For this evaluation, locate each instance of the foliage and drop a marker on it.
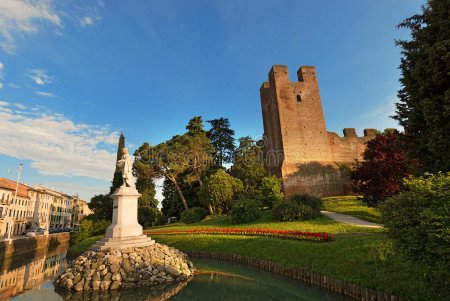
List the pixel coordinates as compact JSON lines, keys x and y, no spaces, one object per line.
{"x":248,"y":165}
{"x":271,"y":193}
{"x":117,"y":179}
{"x":102,"y":207}
{"x":297,"y":207}
{"x":171,"y":204}
{"x":385,"y":164}
{"x":90,"y":228}
{"x":193,"y":215}
{"x":244,"y":211}
{"x":418,"y":219}
{"x":147,"y":216}
{"x":222,"y":139}
{"x":220,"y":190}
{"x":424,"y":106}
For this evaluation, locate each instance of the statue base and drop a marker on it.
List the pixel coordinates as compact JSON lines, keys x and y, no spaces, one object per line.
{"x":125,"y":231}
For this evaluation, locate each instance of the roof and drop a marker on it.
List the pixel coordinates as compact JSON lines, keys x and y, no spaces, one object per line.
{"x":22,"y":190}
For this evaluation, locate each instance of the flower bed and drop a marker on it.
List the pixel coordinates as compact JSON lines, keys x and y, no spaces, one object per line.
{"x":287,"y":234}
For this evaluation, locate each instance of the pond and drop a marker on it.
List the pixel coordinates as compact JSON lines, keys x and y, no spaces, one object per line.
{"x":29,"y":277}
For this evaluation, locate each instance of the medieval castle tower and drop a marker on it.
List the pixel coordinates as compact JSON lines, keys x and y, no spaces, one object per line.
{"x":298,"y":147}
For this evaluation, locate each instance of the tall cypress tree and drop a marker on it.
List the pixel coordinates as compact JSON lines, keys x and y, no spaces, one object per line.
{"x":117,"y":179}
{"x":424,"y":106}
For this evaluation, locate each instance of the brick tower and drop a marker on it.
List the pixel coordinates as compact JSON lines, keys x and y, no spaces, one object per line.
{"x":298,"y":148}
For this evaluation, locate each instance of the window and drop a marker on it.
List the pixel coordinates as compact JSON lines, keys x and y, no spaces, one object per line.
{"x":299,"y":98}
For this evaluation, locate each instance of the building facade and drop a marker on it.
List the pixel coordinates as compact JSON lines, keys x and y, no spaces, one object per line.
{"x":37,"y":207}
{"x":297,"y":146}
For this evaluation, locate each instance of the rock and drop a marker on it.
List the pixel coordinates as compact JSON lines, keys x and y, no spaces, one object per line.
{"x":96,"y":285}
{"x":114,"y":285}
{"x":114,"y":260}
{"x":77,"y":278}
{"x":96,"y":276}
{"x":79,"y":286}
{"x":104,"y":285}
{"x":128,"y":285}
{"x":87,"y":285}
{"x":104,"y":272}
{"x":107,"y":276}
{"x":114,"y":268}
{"x":69,"y":283}
{"x":172,"y":271}
{"x":101,"y":268}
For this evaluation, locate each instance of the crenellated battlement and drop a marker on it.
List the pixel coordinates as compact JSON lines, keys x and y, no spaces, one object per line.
{"x":294,"y":125}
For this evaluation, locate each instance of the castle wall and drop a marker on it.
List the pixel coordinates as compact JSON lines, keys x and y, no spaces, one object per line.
{"x":310,"y":159}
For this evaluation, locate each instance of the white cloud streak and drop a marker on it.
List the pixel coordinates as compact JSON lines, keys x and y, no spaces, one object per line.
{"x":18,"y":17}
{"x":39,"y":76}
{"x":44,"y":94}
{"x":54,"y":144}
{"x":2,"y":67}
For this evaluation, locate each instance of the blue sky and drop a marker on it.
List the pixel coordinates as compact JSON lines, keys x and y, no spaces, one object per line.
{"x":74,"y":74}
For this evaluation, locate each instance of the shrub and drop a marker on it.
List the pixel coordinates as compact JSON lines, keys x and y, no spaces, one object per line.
{"x":193,"y":215}
{"x":385,"y":165}
{"x":90,"y":228}
{"x":418,"y":219}
{"x":244,"y":211}
{"x":298,"y":207}
{"x":146,"y":216}
{"x":270,"y":191}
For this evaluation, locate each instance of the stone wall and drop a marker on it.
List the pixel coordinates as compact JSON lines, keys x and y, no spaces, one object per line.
{"x":27,"y":244}
{"x":298,"y":148}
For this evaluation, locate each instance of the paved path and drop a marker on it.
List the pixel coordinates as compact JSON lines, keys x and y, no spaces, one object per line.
{"x":344,"y":218}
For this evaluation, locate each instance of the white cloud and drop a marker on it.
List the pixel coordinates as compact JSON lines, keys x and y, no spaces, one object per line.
{"x":54,"y":144}
{"x":2,"y":67}
{"x":13,"y":86}
{"x":18,"y":17}
{"x":39,"y":76}
{"x":44,"y":94}
{"x":380,"y":116}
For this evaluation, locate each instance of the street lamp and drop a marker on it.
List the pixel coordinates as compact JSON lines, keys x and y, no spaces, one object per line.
{"x":11,"y":220}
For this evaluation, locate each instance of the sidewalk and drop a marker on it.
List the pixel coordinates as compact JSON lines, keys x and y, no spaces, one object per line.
{"x":344,"y":218}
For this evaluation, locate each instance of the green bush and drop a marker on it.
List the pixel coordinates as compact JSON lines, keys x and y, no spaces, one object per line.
{"x":270,"y":191}
{"x":193,"y":215}
{"x":298,"y":207}
{"x":90,"y":228}
{"x":418,"y":219}
{"x":244,"y":211}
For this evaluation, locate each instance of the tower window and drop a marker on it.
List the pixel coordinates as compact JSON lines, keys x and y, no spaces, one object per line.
{"x":299,"y":98}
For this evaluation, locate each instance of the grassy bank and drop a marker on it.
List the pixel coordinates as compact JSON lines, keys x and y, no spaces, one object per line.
{"x":353,"y":206}
{"x":360,"y":255}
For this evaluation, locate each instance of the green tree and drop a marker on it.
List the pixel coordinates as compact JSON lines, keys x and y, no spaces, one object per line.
{"x":424,"y":98}
{"x":102,"y":206}
{"x":117,"y":179}
{"x":222,"y":138}
{"x":166,"y":160}
{"x":271,"y":193}
{"x":220,"y":190}
{"x":248,"y":165}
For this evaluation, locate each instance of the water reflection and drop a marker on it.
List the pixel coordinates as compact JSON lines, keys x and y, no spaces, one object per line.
{"x":29,"y":269}
{"x":29,"y":277}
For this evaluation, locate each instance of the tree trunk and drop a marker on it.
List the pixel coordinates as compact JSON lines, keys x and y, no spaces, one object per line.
{"x":210,"y":209}
{"x":180,"y":193}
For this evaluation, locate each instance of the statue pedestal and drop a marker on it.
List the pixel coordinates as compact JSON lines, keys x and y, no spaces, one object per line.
{"x":125,"y":231}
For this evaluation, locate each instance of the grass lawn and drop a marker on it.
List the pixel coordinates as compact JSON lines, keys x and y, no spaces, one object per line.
{"x":321,"y":224}
{"x":81,"y":247}
{"x":353,"y":206}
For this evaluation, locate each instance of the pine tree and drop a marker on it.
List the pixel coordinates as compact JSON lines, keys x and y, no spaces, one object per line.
{"x":222,"y":138}
{"x":424,"y":106}
{"x":117,"y":179}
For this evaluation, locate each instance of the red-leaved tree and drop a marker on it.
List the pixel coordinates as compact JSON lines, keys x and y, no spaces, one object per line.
{"x":385,"y":165}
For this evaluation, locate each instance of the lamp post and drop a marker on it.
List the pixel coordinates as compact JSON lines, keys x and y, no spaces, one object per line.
{"x":11,"y":218}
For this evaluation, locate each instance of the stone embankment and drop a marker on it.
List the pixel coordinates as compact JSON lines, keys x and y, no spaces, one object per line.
{"x":108,"y":269}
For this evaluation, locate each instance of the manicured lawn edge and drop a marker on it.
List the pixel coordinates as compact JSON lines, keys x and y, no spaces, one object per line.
{"x":338,"y":286}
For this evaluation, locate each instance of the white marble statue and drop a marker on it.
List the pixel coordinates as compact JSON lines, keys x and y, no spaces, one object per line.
{"x":126,"y":167}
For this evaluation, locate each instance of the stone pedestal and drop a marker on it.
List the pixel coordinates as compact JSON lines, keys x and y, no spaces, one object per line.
{"x":125,"y":231}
